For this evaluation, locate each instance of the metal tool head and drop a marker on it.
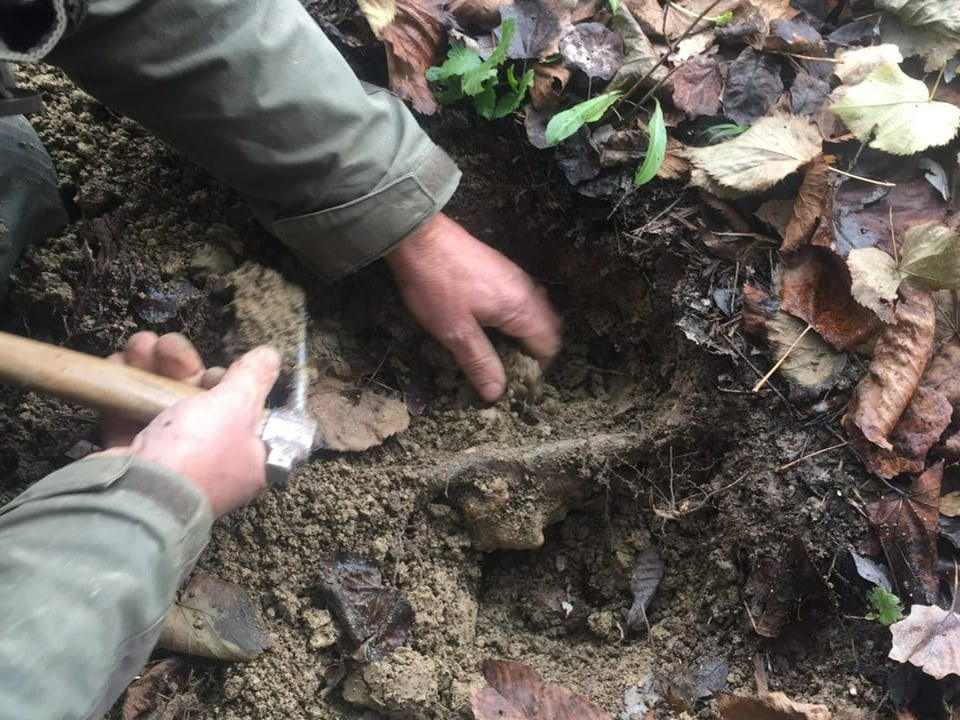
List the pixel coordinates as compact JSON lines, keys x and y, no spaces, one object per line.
{"x":289,"y":437}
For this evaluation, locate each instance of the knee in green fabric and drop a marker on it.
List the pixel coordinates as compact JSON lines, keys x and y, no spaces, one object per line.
{"x":30,"y":207}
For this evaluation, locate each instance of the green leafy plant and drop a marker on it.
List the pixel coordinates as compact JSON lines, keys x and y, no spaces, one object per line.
{"x":656,"y":147}
{"x":566,"y":123}
{"x":464,"y":74}
{"x":885,"y":606}
{"x":614,"y":5}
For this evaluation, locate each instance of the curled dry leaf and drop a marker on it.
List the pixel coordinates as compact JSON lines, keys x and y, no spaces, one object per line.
{"x":413,"y":41}
{"x":929,"y":637}
{"x":759,"y":158}
{"x":943,"y":372}
{"x":771,"y":706}
{"x":917,"y":431}
{"x":812,"y":207}
{"x":874,"y":280}
{"x":901,"y":355}
{"x":907,"y":524}
{"x":482,"y":14}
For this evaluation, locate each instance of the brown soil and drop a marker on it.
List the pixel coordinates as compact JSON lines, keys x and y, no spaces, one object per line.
{"x":511,"y":529}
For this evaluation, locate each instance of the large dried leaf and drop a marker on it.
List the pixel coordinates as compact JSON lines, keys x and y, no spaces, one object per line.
{"x":907,"y":523}
{"x":593,"y":49}
{"x":815,"y":286}
{"x":894,"y":113}
{"x":758,"y":159}
{"x":916,"y":432}
{"x":647,"y":574}
{"x":874,"y":277}
{"x":753,"y":86}
{"x":929,"y":637}
{"x":772,"y":706}
{"x":935,"y":48}
{"x":901,"y":355}
{"x":482,"y":14}
{"x":938,"y":15}
{"x":811,"y":366}
{"x":412,"y":41}
{"x":857,"y":63}
{"x":943,"y":372}
{"x":931,"y":253}
{"x":516,"y":692}
{"x":215,"y":619}
{"x":812,"y":206}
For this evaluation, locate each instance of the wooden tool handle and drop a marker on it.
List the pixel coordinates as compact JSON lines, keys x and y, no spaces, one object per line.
{"x":87,"y":380}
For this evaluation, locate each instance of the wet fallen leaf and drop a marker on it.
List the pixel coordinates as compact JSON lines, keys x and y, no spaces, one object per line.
{"x":901,"y":355}
{"x":874,"y":279}
{"x":647,"y":573}
{"x":215,"y":619}
{"x":870,"y":571}
{"x":697,"y":84}
{"x":776,"y":214}
{"x":808,"y":97}
{"x":815,"y":286}
{"x":916,"y":432}
{"x":856,"y":64}
{"x":759,"y":158}
{"x":643,"y":59}
{"x":481,"y":14}
{"x":907,"y":523}
{"x":929,"y":637}
{"x":516,"y":692}
{"x":893,"y":112}
{"x":541,"y":24}
{"x":938,"y":15}
{"x":931,"y":253}
{"x":412,"y":41}
{"x":759,"y":306}
{"x":812,"y":206}
{"x":687,"y":685}
{"x":772,"y":706}
{"x":593,"y":49}
{"x":353,"y":418}
{"x":164,"y":302}
{"x":935,"y":48}
{"x":795,"y":36}
{"x":811,"y":365}
{"x":374,"y":618}
{"x":753,"y":86}
{"x":943,"y":372}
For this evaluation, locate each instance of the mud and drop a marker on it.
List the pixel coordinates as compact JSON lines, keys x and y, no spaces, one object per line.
{"x":511,"y":529}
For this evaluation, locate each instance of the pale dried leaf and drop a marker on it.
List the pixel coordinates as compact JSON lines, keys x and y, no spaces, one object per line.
{"x":379,"y":13}
{"x":929,"y":637}
{"x":875,"y":278}
{"x":931,"y":253}
{"x":772,"y":706}
{"x":936,"y":49}
{"x":936,"y":176}
{"x":413,"y":41}
{"x":938,"y":15}
{"x":902,"y":351}
{"x":950,"y":504}
{"x":894,"y":113}
{"x":758,"y":159}
{"x":856,"y":64}
{"x":812,"y":366}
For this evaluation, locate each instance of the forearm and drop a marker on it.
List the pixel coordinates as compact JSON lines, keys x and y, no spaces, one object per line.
{"x":91,"y":558}
{"x":255,"y":93}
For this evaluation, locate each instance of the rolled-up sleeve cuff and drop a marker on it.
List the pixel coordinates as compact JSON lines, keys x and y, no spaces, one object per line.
{"x":370,"y":226}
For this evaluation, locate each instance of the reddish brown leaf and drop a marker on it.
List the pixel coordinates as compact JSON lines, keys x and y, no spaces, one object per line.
{"x":412,"y":42}
{"x":812,"y":207}
{"x":774,"y":706}
{"x":943,"y":372}
{"x":815,"y":287}
{"x":758,"y":307}
{"x":516,"y":692}
{"x":142,"y":693}
{"x":902,"y":351}
{"x":697,"y":85}
{"x":918,"y":429}
{"x":906,"y":523}
{"x":480,"y":14}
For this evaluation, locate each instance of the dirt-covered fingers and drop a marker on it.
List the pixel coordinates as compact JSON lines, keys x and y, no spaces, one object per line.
{"x":478,"y":360}
{"x":531,"y":319}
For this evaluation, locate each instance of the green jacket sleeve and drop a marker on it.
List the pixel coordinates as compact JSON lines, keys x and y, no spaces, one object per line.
{"x":90,"y":559}
{"x":256,"y":94}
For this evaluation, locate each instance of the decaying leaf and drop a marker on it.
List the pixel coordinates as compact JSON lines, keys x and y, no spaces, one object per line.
{"x":907,"y":523}
{"x":815,"y":286}
{"x":593,"y":49}
{"x":901,"y":355}
{"x":811,"y":365}
{"x":929,"y":637}
{"x":931,"y":253}
{"x":753,"y":86}
{"x":687,"y":685}
{"x":759,"y":307}
{"x":812,"y":206}
{"x":894,"y":113}
{"x":874,"y":279}
{"x":353,"y":418}
{"x":516,"y":692}
{"x":943,"y":372}
{"x":772,"y":706}
{"x":794,"y":35}
{"x":936,"y":175}
{"x":950,"y":504}
{"x":374,"y":618}
{"x":482,"y":14}
{"x":643,"y":59}
{"x":857,"y":63}
{"x":152,"y":689}
{"x":379,"y":13}
{"x":697,"y":84}
{"x":938,"y":15}
{"x":647,"y":574}
{"x":935,"y":48}
{"x":412,"y":42}
{"x":916,"y":432}
{"x":771,"y":149}
{"x":215,"y":619}
{"x":542,"y":23}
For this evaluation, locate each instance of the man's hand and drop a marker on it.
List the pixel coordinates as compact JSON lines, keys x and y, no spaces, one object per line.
{"x":212,"y":439}
{"x":456,"y":285}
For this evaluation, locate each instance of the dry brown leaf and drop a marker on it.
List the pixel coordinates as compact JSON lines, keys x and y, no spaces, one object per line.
{"x":929,"y":637}
{"x":413,"y":41}
{"x":917,"y":431}
{"x":480,"y":14}
{"x":776,"y":214}
{"x":901,"y":355}
{"x":774,"y":147}
{"x":516,"y":692}
{"x":773,"y":706}
{"x":549,"y":82}
{"x":950,"y":504}
{"x":759,"y":307}
{"x":809,"y":364}
{"x":142,"y":693}
{"x":697,"y":85}
{"x":815,"y":286}
{"x":906,"y":523}
{"x":943,"y":372}
{"x":812,"y":206}
{"x":379,"y":13}
{"x":658,"y":21}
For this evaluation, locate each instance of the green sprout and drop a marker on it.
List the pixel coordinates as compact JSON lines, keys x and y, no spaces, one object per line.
{"x":885,"y":606}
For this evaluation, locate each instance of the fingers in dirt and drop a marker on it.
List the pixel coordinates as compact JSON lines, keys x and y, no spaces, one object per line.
{"x":536,"y":325}
{"x":479,"y":361}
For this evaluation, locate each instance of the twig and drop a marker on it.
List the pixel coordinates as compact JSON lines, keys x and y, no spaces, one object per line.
{"x":810,"y":455}
{"x":861,"y":178}
{"x":776,"y":366}
{"x":893,"y":239}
